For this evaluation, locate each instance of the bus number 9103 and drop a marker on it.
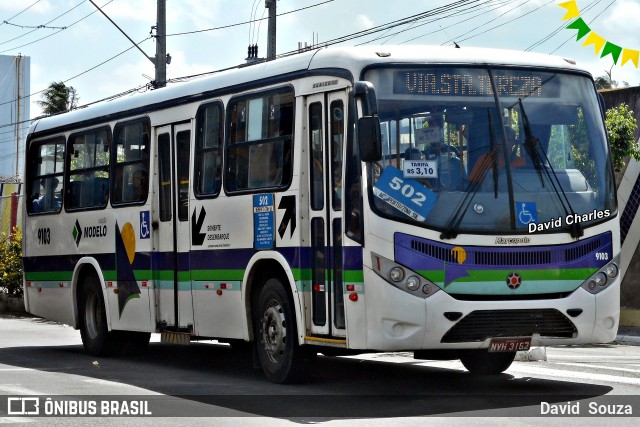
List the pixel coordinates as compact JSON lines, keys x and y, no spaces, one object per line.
{"x":44,"y":236}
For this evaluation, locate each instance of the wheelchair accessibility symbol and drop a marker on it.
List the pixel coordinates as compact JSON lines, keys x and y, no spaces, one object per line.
{"x":145,"y":226}
{"x":526,"y":213}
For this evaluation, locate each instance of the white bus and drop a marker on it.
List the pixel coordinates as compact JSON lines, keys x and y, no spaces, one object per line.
{"x":457,"y":203}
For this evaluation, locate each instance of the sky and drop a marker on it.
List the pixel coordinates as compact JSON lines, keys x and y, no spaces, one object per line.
{"x":74,"y":54}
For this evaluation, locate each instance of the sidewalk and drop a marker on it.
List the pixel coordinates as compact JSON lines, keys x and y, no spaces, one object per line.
{"x":629,"y":335}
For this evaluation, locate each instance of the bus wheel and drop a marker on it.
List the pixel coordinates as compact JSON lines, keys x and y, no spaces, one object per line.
{"x":96,"y":338}
{"x":481,"y":362}
{"x":276,"y":337}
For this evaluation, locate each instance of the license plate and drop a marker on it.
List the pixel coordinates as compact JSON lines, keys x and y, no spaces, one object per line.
{"x":509,"y":344}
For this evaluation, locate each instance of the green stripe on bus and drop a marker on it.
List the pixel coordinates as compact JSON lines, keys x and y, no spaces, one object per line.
{"x":63,"y":276}
{"x":217,"y":274}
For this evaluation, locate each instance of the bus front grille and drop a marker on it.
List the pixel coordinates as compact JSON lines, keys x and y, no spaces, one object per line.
{"x":482,"y":324}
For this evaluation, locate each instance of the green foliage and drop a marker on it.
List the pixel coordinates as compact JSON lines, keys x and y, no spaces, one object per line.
{"x":58,"y":98}
{"x":621,"y":124}
{"x":582,"y":160}
{"x":11,"y":263}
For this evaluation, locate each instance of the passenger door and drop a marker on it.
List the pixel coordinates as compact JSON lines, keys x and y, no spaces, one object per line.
{"x":170,"y":223}
{"x":326,"y":118}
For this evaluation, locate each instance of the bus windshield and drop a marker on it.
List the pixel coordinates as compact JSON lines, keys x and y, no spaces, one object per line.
{"x":490,"y":150}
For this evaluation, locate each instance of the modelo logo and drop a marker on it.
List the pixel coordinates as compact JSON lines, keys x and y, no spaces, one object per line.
{"x":95,"y":231}
{"x":80,"y":232}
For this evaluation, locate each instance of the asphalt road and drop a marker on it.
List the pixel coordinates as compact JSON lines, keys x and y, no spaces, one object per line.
{"x":207,"y":381}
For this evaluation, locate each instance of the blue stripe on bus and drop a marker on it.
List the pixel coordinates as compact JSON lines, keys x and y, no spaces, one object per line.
{"x":228,"y":259}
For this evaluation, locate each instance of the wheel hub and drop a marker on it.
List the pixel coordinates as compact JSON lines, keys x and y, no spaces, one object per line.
{"x":274,"y":332}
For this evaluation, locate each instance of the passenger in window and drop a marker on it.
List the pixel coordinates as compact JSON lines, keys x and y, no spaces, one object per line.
{"x":485,"y":161}
{"x":140,"y":186}
{"x":47,"y":200}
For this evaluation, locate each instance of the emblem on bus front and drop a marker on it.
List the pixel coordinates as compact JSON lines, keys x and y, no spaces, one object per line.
{"x":514,"y":280}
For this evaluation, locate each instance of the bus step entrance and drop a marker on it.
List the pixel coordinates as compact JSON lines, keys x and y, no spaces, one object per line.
{"x":169,"y":337}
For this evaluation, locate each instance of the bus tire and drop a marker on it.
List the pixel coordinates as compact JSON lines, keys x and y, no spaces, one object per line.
{"x":95,"y":334}
{"x":280,"y":356}
{"x":481,"y":362}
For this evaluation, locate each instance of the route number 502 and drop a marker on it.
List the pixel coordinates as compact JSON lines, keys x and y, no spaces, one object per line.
{"x":407,"y":191}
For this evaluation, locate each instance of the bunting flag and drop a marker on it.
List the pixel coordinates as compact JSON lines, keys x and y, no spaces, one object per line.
{"x":600,"y":45}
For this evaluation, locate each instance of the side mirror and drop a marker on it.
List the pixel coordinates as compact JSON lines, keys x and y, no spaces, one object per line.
{"x":369,"y":139}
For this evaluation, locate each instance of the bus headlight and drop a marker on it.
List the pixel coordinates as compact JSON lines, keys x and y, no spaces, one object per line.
{"x":611,"y":270}
{"x":396,"y":274}
{"x":601,"y":279}
{"x":402,"y":277}
{"x":413,"y":283}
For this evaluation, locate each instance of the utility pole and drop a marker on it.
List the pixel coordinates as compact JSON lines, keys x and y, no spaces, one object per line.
{"x":18,"y":65}
{"x":160,"y":60}
{"x":271,"y":31}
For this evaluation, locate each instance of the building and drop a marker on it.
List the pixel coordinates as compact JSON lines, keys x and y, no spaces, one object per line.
{"x":628,"y":204}
{"x":14,"y":113}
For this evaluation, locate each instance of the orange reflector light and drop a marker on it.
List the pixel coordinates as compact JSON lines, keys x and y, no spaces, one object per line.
{"x":116,"y":290}
{"x":353,"y":297}
{"x":219,"y":292}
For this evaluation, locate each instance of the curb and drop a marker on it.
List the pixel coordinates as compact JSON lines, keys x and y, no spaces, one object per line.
{"x":627,"y":339}
{"x":11,"y":305}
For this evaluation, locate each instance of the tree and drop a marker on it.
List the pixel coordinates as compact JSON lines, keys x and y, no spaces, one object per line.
{"x":602,"y":82}
{"x":58,"y":98}
{"x":11,"y":263}
{"x":621,"y":125}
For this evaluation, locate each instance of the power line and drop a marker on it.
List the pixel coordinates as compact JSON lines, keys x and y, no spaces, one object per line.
{"x":503,"y":24}
{"x":46,"y":23}
{"x":70,"y":78}
{"x":594,"y":18}
{"x":122,"y":31}
{"x":455,"y":13}
{"x":558,"y":29}
{"x":432,"y":12}
{"x":246,"y":22}
{"x":68,"y":26}
{"x":252,"y":24}
{"x":23,"y":10}
{"x":37,"y":27}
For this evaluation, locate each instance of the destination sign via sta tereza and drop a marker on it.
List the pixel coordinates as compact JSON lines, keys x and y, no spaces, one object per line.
{"x":470,"y":83}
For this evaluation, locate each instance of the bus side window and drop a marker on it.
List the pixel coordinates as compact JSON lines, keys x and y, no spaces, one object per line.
{"x":259,"y":150}
{"x":45,"y":169}
{"x":208,"y":156}
{"x":88,"y":161}
{"x":131,"y":162}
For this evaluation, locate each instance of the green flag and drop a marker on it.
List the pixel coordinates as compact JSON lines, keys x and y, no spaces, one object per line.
{"x":614,"y":50}
{"x":581,"y":26}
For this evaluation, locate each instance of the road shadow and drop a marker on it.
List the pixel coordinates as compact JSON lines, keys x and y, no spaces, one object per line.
{"x":208,"y":379}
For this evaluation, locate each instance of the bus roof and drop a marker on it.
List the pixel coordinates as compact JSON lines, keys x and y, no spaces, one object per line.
{"x":352,"y":59}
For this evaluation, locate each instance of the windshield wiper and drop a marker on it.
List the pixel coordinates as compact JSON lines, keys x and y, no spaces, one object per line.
{"x":532,"y":145}
{"x":451,"y":230}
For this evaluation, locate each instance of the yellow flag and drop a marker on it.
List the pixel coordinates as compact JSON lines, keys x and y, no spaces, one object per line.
{"x":630,"y":55}
{"x":597,"y":41}
{"x":572,"y":9}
